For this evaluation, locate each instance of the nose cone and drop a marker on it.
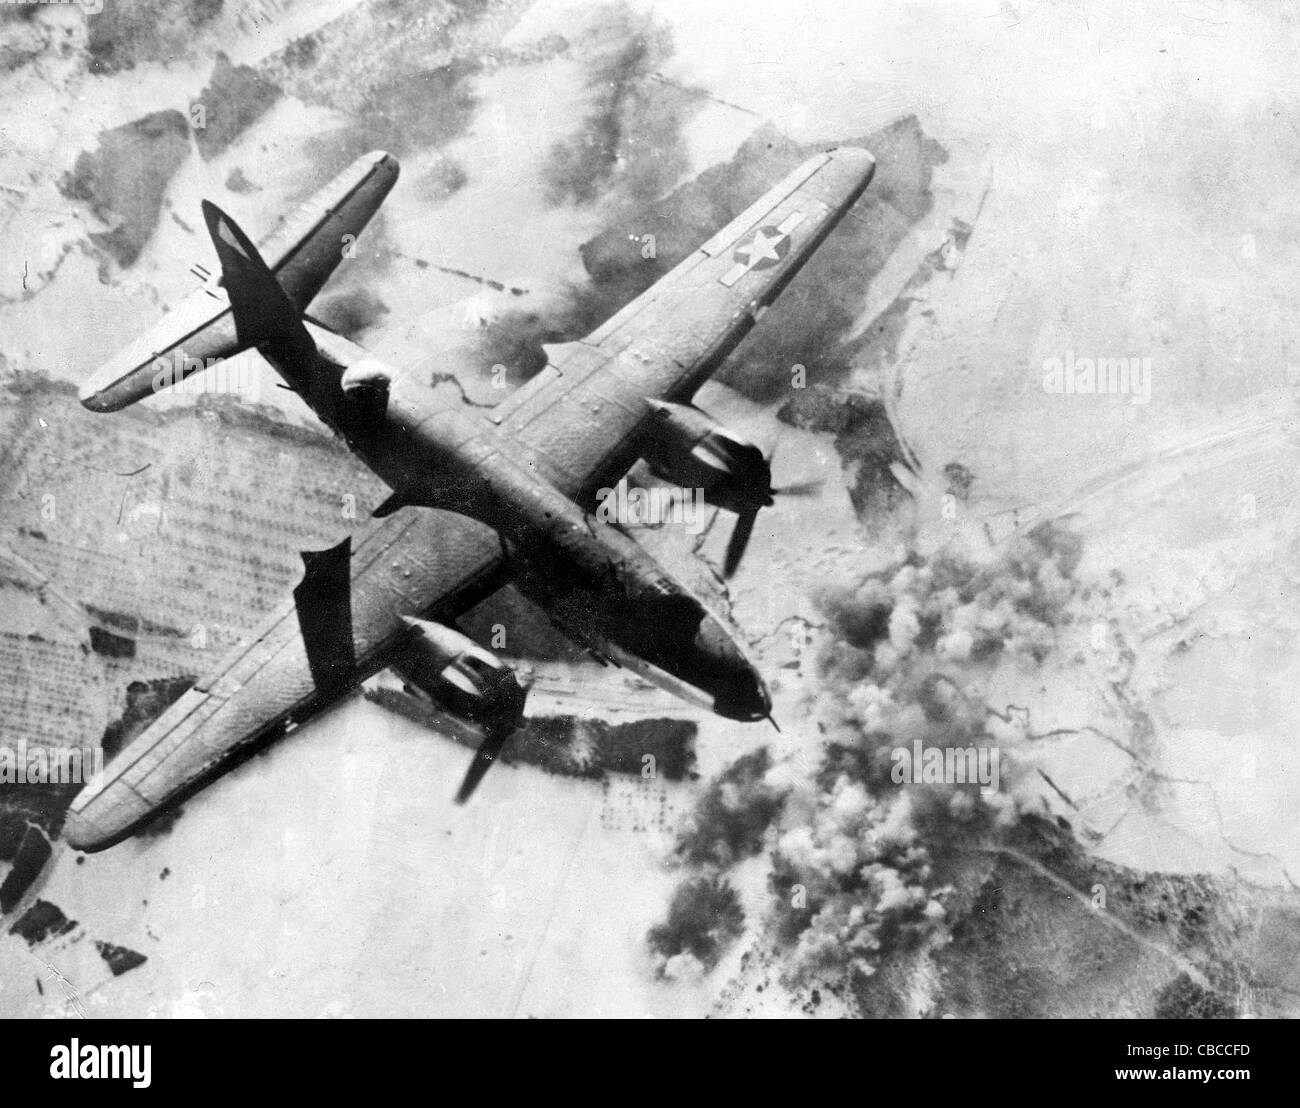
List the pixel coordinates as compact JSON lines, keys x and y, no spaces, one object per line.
{"x":744,"y":698}
{"x":738,"y":690}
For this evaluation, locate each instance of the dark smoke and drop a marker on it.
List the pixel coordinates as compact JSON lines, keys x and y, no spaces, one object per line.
{"x":732,"y":817}
{"x":236,"y":96}
{"x":351,"y":312}
{"x":124,"y":180}
{"x":630,"y":141}
{"x":704,"y":918}
{"x":858,"y":869}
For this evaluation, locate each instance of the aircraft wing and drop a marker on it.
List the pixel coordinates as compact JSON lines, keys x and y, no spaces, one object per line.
{"x":429,"y":563}
{"x":581,"y":415}
{"x":302,"y":252}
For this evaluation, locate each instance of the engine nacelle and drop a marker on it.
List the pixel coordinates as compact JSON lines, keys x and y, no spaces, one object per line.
{"x":365,"y":385}
{"x":690,"y":448}
{"x":461,"y":676}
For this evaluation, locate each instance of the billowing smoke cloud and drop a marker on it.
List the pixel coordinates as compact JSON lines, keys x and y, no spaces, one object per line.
{"x":704,"y":917}
{"x":909,"y":651}
{"x":732,"y":817}
{"x":859,"y":865}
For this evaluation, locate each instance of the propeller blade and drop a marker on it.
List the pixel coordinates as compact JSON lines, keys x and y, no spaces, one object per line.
{"x":484,"y":756}
{"x":801,"y":488}
{"x":798,"y":488}
{"x":738,"y":542}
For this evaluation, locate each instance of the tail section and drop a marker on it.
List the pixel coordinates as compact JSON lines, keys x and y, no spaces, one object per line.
{"x":302,"y":251}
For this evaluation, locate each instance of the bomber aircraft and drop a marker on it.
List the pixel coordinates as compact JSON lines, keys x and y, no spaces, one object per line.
{"x":480,"y":497}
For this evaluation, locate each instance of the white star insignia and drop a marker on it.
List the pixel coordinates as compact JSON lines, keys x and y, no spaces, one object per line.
{"x":762,"y":248}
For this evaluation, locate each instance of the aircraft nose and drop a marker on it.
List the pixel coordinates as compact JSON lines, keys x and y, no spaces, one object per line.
{"x":744,"y":698}
{"x":738,"y":690}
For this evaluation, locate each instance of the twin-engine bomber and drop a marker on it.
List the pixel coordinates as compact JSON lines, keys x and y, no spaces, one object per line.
{"x":480,"y":497}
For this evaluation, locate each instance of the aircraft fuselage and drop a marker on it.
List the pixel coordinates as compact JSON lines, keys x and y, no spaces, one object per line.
{"x":596,"y":582}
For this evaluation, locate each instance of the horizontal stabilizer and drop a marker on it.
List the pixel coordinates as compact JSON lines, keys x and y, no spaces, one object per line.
{"x":302,"y":252}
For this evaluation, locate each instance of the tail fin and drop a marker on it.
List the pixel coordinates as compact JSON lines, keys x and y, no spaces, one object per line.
{"x":264,"y":314}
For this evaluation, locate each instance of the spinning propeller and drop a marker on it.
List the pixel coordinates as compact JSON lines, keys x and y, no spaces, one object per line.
{"x":748,"y":515}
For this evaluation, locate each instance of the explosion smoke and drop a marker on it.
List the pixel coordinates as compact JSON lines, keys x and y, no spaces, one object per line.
{"x":858,"y":862}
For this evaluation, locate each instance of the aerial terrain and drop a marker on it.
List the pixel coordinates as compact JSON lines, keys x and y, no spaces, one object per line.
{"x":1101,"y":586}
